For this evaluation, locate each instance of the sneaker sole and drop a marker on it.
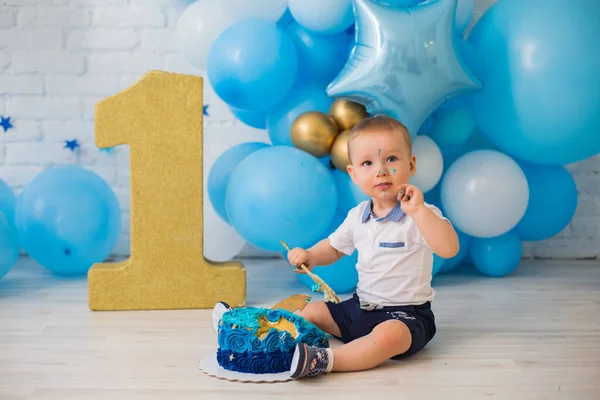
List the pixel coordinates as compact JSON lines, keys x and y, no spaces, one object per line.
{"x":299,"y":358}
{"x":218,"y":311}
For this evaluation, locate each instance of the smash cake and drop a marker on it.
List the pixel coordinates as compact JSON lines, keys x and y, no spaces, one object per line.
{"x":262,"y":341}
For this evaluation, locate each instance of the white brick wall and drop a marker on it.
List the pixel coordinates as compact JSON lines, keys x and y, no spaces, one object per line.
{"x":59,"y":57}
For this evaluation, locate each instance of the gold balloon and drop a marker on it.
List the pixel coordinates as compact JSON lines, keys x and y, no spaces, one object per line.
{"x":339,"y":151}
{"x":347,"y":113}
{"x":314,"y":132}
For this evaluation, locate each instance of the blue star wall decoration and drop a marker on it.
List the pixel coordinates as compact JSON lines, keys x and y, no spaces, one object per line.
{"x":404,"y":62}
{"x":71,"y":144}
{"x":5,"y":123}
{"x":205,"y":110}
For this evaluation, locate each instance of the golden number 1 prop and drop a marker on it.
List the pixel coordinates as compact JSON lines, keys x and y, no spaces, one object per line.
{"x":160,"y":118}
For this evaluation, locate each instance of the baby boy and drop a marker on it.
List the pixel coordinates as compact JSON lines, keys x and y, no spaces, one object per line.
{"x":396,"y":234}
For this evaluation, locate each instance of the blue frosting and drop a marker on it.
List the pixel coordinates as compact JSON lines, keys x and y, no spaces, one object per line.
{"x":255,"y":362}
{"x":240,"y":348}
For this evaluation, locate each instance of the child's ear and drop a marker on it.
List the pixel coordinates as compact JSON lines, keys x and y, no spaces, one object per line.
{"x":350,"y":170}
{"x":413,"y":164}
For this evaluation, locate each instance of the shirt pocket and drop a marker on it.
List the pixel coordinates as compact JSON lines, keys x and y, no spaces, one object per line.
{"x":395,"y":244}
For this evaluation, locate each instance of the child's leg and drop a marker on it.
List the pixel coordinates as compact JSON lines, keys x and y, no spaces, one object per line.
{"x":386,"y":340}
{"x":319,"y":314}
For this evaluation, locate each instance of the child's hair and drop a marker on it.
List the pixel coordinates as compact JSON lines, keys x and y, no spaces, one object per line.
{"x":378,"y":123}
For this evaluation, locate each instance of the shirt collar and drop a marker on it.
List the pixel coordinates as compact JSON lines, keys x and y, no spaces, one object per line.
{"x":395,"y":214}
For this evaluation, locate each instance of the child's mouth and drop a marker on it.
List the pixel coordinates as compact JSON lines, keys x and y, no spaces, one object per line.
{"x":384,"y":186}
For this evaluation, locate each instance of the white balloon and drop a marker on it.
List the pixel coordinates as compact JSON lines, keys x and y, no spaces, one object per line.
{"x":221,"y":241}
{"x":485,"y":193}
{"x":322,"y":16}
{"x":203,"y":21}
{"x":430,"y":163}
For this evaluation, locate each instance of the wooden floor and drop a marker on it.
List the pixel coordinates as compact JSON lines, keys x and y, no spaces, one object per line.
{"x":533,"y":335}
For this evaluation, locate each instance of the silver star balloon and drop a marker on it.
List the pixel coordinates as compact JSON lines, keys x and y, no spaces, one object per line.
{"x":404,"y":62}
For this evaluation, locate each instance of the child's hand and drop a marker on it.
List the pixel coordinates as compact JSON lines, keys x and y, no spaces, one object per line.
{"x":299,"y":256}
{"x":410,"y":198}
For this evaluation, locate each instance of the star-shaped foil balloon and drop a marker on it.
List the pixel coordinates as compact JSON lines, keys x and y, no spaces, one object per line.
{"x":404,"y":62}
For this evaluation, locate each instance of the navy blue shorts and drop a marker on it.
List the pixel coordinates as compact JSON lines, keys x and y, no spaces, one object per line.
{"x":355,"y":322}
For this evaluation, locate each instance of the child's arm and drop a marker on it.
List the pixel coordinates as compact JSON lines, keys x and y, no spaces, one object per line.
{"x":437,"y":232}
{"x":321,"y":253}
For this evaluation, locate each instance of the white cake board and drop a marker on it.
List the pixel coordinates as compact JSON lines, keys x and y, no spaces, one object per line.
{"x":208,"y":365}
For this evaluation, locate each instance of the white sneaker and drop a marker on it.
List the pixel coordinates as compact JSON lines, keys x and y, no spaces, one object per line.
{"x":218,"y":311}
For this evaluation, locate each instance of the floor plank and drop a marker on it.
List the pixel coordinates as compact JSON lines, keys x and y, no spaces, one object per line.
{"x":532,"y":335}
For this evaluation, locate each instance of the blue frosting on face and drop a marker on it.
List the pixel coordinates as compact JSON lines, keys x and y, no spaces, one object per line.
{"x":240,"y":348}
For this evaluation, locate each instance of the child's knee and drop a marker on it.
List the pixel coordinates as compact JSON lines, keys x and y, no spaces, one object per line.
{"x":313,"y":312}
{"x":394,"y":334}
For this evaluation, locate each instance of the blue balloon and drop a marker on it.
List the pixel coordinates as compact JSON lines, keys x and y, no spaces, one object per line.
{"x":552,"y":202}
{"x":325,"y":17}
{"x":497,"y":256}
{"x":342,"y":275}
{"x":452,"y":126}
{"x":252,"y":65}
{"x":255,"y":119}
{"x":465,"y":244}
{"x":68,"y":218}
{"x":221,"y":171}
{"x":8,"y":201}
{"x":9,"y":245}
{"x":540,"y":101}
{"x":404,"y":62}
{"x":320,"y":57}
{"x":438,"y":264}
{"x":281,"y":193}
{"x":304,"y":97}
{"x":285,"y":19}
{"x":349,"y":194}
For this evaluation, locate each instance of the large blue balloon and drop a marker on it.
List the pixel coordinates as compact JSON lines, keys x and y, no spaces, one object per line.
{"x":281,"y":193}
{"x":9,"y":245}
{"x":452,"y":126}
{"x":68,"y":218}
{"x":349,"y":194}
{"x":255,"y":119}
{"x":342,"y":275}
{"x":438,"y":264}
{"x":221,"y":171}
{"x":552,"y":202}
{"x":541,"y":96}
{"x":320,"y":57}
{"x":404,"y":62}
{"x":498,"y":256}
{"x":8,"y":201}
{"x":304,"y":97}
{"x":252,"y":65}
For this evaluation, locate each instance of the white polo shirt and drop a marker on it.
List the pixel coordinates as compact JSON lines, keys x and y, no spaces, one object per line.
{"x":394,"y":261}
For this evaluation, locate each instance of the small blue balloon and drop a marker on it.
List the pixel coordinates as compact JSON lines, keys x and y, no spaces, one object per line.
{"x":497,"y":256}
{"x":8,"y":201}
{"x":540,"y":100}
{"x":221,"y":171}
{"x":68,"y":218}
{"x":464,"y":241}
{"x":404,"y":62}
{"x":252,"y":65}
{"x":349,"y":194}
{"x":9,"y":245}
{"x":552,"y":202}
{"x":438,"y":264}
{"x":320,"y":57}
{"x":281,"y":193}
{"x":255,"y":119}
{"x":304,"y":97}
{"x":452,"y":126}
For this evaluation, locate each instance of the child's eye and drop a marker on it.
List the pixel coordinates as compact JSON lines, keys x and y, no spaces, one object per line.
{"x":392,"y":159}
{"x":367,"y":163}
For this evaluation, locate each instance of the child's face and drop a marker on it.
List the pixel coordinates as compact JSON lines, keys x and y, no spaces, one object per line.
{"x":381,"y":162}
